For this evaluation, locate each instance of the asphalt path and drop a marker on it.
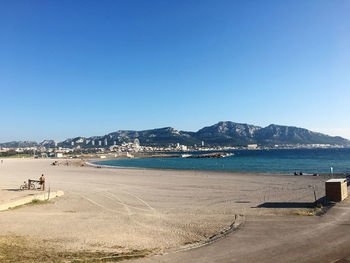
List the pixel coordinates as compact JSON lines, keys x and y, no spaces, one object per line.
{"x":263,"y":239}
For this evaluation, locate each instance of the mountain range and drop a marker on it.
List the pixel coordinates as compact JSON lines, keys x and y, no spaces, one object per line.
{"x":224,"y":133}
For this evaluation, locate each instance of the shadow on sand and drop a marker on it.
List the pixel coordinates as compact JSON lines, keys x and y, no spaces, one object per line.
{"x":12,"y":190}
{"x":286,"y":205}
{"x":321,"y":200}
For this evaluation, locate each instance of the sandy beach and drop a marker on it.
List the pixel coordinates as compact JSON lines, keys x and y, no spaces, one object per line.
{"x":122,"y":210}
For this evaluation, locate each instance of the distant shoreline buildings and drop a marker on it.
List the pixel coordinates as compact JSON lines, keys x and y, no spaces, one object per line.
{"x":135,"y":147}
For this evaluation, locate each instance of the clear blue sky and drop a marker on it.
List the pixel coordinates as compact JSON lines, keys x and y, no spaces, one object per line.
{"x":84,"y":68}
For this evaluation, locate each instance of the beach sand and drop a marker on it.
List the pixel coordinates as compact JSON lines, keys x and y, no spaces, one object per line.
{"x":121,"y":210}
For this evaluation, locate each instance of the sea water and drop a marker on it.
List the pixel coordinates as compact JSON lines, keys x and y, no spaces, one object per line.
{"x":274,"y":160}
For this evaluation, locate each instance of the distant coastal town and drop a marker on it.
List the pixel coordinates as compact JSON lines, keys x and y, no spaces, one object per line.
{"x":102,"y":149}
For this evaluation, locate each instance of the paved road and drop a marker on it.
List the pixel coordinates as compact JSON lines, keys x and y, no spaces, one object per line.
{"x":278,"y":239}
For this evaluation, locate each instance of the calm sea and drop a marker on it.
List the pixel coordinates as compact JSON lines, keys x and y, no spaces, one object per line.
{"x":277,"y":161}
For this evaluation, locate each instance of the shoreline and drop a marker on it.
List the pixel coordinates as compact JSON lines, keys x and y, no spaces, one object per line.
{"x":337,"y":175}
{"x":187,"y":170}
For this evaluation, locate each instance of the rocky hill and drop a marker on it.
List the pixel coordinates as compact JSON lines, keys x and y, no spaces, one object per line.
{"x":19,"y":144}
{"x":221,"y":134}
{"x":227,"y":133}
{"x":277,"y":134}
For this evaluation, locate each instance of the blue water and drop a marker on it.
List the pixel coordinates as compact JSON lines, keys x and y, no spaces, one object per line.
{"x":276,"y":161}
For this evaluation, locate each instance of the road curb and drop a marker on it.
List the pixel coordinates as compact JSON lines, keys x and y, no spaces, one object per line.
{"x":22,"y":201}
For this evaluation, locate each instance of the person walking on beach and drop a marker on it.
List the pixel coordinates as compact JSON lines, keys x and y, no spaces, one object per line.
{"x":42,"y":182}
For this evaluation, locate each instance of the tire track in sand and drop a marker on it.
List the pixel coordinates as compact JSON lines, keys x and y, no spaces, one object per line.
{"x":99,"y":205}
{"x":115,"y":198}
{"x":141,"y":200}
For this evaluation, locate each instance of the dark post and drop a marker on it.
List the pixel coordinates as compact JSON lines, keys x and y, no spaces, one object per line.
{"x":315,"y":194}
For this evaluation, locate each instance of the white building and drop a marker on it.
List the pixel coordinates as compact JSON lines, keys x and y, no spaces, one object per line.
{"x":252,"y":146}
{"x":136,"y":145}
